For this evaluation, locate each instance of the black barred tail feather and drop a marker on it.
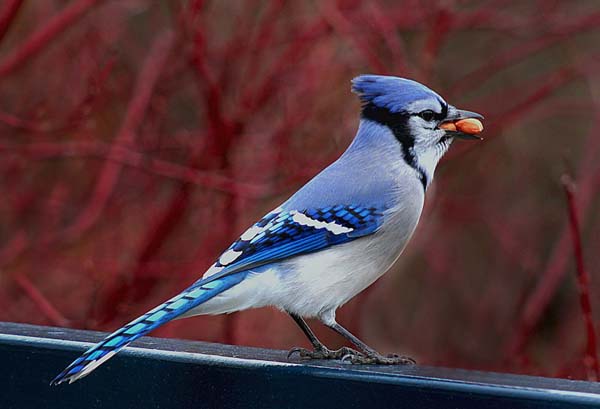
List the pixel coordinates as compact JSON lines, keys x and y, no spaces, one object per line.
{"x":195,"y":295}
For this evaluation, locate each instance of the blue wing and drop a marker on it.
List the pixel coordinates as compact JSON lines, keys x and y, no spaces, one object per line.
{"x":284,"y":234}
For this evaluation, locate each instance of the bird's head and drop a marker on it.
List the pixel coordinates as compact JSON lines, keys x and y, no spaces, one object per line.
{"x":422,"y":122}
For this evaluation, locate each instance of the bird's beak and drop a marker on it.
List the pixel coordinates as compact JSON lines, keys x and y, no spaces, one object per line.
{"x":462,"y":124}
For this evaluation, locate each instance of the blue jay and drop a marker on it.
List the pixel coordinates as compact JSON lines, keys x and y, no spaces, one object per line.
{"x":331,"y":239}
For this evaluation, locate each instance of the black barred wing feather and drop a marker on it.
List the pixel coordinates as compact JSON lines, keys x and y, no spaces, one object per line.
{"x":284,"y":234}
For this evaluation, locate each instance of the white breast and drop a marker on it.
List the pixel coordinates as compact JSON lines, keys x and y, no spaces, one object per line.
{"x":318,"y":283}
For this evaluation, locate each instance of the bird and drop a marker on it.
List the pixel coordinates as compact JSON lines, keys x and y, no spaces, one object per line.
{"x":331,"y":239}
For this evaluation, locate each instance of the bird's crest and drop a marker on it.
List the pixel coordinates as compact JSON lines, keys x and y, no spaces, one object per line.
{"x":391,"y":93}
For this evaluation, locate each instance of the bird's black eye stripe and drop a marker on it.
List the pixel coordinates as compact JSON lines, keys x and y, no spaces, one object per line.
{"x":429,"y":115}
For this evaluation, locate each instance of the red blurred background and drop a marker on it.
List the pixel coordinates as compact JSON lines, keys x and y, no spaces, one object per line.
{"x":138,"y":138}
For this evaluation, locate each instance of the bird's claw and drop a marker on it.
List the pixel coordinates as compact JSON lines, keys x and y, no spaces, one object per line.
{"x":350,"y":355}
{"x":344,"y":354}
{"x":377,"y":359}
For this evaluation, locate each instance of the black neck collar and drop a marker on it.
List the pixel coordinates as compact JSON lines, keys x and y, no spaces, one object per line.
{"x":398,"y":124}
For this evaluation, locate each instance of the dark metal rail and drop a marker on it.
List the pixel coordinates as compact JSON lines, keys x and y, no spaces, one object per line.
{"x":163,"y":373}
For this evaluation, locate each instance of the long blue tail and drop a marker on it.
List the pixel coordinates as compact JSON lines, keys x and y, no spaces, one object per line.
{"x":195,"y":295}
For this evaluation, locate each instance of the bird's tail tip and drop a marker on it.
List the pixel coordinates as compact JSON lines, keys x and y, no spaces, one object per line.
{"x":85,"y":364}
{"x":60,"y":378}
{"x":65,"y":377}
{"x":173,"y":308}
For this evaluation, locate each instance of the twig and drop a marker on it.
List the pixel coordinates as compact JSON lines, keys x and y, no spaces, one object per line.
{"x":125,"y":156}
{"x":261,"y":40}
{"x":22,"y":124}
{"x":386,"y":28}
{"x":14,"y":247}
{"x":539,"y":299}
{"x":219,"y":136}
{"x":45,"y":35}
{"x":583,"y":283}
{"x":439,"y":30}
{"x":336,"y":18}
{"x":511,"y":57}
{"x":8,"y":14}
{"x":147,"y":79}
{"x":44,"y":305}
{"x":303,"y":41}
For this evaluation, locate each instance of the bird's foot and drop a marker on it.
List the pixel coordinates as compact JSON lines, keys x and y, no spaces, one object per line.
{"x":378,"y":359}
{"x":344,"y":353}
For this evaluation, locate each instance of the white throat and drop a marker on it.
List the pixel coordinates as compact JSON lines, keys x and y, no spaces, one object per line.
{"x":427,"y":149}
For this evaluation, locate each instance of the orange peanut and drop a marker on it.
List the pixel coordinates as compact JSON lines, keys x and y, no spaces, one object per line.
{"x":470,"y":125}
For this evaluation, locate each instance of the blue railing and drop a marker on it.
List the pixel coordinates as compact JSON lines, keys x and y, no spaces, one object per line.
{"x":164,"y":373}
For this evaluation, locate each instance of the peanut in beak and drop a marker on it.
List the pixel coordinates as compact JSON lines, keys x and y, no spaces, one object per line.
{"x":470,"y":126}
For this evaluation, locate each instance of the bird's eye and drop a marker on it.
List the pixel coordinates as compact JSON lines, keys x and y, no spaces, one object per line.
{"x":427,"y":115}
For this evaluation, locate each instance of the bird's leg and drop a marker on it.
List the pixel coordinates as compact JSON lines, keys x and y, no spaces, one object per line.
{"x":320,"y":350}
{"x":369,"y":356}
